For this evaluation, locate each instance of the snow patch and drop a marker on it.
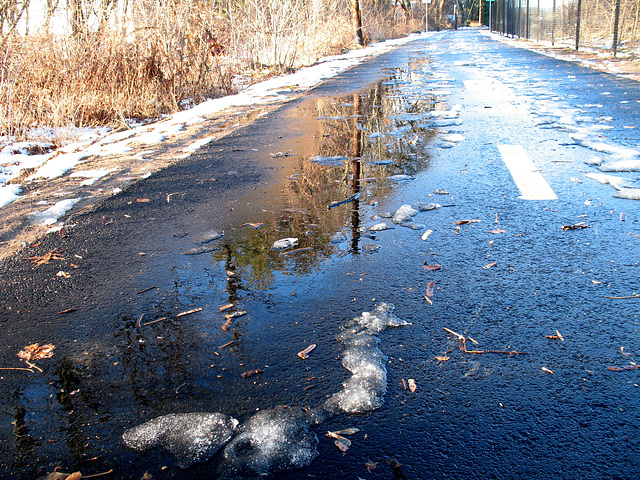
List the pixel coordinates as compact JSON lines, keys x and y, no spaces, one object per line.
{"x":53,"y":213}
{"x":8,"y":194}
{"x":92,"y":176}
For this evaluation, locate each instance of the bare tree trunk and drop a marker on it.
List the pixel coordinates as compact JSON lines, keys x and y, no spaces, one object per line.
{"x":616,"y":23}
{"x":357,"y":21}
{"x":635,"y":25}
{"x":78,"y":17}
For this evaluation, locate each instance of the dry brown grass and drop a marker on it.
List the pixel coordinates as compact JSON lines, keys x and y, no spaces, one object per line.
{"x":167,"y":53}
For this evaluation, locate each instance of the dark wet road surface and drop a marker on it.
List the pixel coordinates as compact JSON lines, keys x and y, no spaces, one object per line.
{"x":437,"y":111}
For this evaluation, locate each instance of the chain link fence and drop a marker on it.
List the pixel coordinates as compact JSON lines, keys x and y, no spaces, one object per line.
{"x":610,"y":24}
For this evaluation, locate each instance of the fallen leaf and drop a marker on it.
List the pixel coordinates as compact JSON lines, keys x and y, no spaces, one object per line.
{"x":576,"y":179}
{"x":63,"y":274}
{"x":254,"y":225}
{"x":466,"y":222}
{"x":341,"y":446}
{"x":596,"y":282}
{"x":622,"y":369}
{"x":227,"y":324}
{"x":335,"y":435}
{"x":426,"y":234}
{"x":304,"y":354}
{"x":35,"y":351}
{"x":497,"y":230}
{"x":430,"y":286}
{"x":47,"y":257}
{"x":576,"y":226}
{"x":442,"y":359}
{"x":348,"y":431}
{"x":557,"y":336}
{"x":435,"y":266}
{"x":428,"y":300}
{"x":412,"y":385}
{"x":371,"y":466}
{"x":486,"y":267}
{"x":74,"y":476}
{"x":546,"y":370}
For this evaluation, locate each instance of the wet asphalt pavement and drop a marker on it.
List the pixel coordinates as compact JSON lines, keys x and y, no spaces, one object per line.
{"x":438,"y":111}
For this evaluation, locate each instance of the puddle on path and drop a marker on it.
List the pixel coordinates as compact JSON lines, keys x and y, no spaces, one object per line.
{"x":359,"y":147}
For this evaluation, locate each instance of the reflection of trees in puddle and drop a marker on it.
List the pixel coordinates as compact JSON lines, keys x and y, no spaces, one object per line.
{"x":381,"y":132}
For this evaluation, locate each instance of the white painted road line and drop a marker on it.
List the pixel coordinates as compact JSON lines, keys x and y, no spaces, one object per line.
{"x":528,"y":179}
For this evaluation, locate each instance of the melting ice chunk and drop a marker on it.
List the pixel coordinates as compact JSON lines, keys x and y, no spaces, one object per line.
{"x":338,"y":237}
{"x":365,"y":389}
{"x":336,"y":161}
{"x":284,"y":243}
{"x":404,"y":214}
{"x":270,"y":441}
{"x":189,"y":437}
{"x":381,"y":318}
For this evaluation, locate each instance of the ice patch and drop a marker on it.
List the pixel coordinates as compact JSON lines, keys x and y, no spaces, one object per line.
{"x":189,"y":437}
{"x":53,"y":213}
{"x":365,"y":389}
{"x":594,"y":160}
{"x":453,"y":138}
{"x":400,"y":178}
{"x":616,"y":182}
{"x":284,"y":243}
{"x":338,"y":237}
{"x":336,"y":161}
{"x":604,"y":147}
{"x":270,"y":441}
{"x":628,"y":193}
{"x":404,"y":214}
{"x":378,"y":227}
{"x":400,"y":131}
{"x":628,"y":165}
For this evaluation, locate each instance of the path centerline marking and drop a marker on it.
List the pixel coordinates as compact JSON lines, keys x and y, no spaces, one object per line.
{"x":527,"y":177}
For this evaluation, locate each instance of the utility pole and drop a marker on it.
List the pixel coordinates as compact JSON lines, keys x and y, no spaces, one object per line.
{"x":426,"y":14}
